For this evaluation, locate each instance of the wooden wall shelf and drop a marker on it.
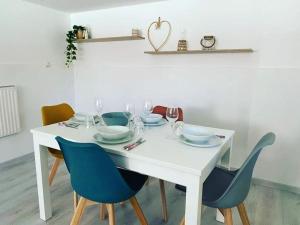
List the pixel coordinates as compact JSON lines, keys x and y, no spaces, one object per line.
{"x":242,"y":50}
{"x":110,"y":39}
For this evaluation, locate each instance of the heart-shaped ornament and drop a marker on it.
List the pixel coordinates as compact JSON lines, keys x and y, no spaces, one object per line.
{"x":157,"y":26}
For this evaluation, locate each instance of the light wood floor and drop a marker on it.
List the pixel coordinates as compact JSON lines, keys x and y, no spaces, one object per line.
{"x":19,"y":203}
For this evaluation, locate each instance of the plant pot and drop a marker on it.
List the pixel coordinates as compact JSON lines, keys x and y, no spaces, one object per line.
{"x":80,"y":34}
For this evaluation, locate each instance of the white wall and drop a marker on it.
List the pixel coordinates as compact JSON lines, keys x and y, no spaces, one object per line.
{"x":250,"y":93}
{"x":32,"y":36}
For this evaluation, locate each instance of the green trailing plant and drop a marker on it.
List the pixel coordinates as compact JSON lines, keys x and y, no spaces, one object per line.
{"x":71,"y":49}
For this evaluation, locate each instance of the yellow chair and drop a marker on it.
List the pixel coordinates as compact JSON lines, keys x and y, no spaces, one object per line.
{"x":54,"y":114}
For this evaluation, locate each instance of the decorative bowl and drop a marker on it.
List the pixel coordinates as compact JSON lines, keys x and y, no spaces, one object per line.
{"x":196,"y":133}
{"x":116,"y":118}
{"x":113,"y":132}
{"x":151,"y":118}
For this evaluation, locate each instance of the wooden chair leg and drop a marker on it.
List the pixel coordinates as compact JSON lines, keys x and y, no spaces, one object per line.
{"x":102,"y":211}
{"x":243,"y":214}
{"x":111,"y":214}
{"x":163,"y":200}
{"x":79,"y":211}
{"x":228,"y":216}
{"x":75,"y":200}
{"x":138,"y":211}
{"x":53,"y":170}
{"x":182,"y":222}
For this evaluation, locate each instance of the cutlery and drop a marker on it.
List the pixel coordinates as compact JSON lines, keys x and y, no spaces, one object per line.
{"x":129,"y":145}
{"x":135,"y":145}
{"x":71,"y":125}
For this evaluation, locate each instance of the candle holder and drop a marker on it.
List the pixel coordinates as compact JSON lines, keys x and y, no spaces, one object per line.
{"x":182,"y":45}
{"x":208,"y":42}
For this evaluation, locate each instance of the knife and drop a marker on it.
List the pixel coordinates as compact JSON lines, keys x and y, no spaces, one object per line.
{"x":129,"y":145}
{"x":135,"y":145}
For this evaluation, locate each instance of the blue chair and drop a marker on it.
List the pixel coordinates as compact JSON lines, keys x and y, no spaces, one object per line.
{"x":225,"y":189}
{"x":97,"y":180}
{"x":116,"y":118}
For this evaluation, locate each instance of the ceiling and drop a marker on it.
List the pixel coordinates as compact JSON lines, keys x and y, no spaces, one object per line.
{"x":72,"y":6}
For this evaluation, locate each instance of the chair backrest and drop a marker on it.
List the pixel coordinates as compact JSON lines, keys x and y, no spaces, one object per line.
{"x":240,"y":185}
{"x":93,"y":174}
{"x":116,"y":118}
{"x":56,"y":113}
{"x":162,"y":110}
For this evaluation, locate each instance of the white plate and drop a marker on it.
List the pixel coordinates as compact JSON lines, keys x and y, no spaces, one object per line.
{"x":101,"y":140}
{"x":151,"y":118}
{"x":212,"y":142}
{"x":113,"y":132}
{"x":160,"y":123}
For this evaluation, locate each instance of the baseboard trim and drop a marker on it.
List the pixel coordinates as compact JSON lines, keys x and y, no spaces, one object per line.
{"x":275,"y":185}
{"x":16,"y":161}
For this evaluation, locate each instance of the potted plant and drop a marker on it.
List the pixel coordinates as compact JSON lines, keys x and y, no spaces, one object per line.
{"x":79,"y":31}
{"x":72,"y":36}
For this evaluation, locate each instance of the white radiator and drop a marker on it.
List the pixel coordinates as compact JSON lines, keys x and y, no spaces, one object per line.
{"x":9,"y":111}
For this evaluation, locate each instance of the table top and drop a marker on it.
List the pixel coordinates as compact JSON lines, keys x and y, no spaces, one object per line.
{"x":160,"y":148}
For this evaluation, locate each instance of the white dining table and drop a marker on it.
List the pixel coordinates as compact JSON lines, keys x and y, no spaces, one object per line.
{"x":161,"y":156}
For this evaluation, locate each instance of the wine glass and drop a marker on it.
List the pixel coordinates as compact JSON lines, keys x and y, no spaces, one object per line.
{"x":139,"y":128}
{"x":172,"y":115}
{"x":99,"y":109}
{"x":148,"y":107}
{"x":89,"y":121}
{"x":99,"y":106}
{"x":130,"y":110}
{"x":130,"y":114}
